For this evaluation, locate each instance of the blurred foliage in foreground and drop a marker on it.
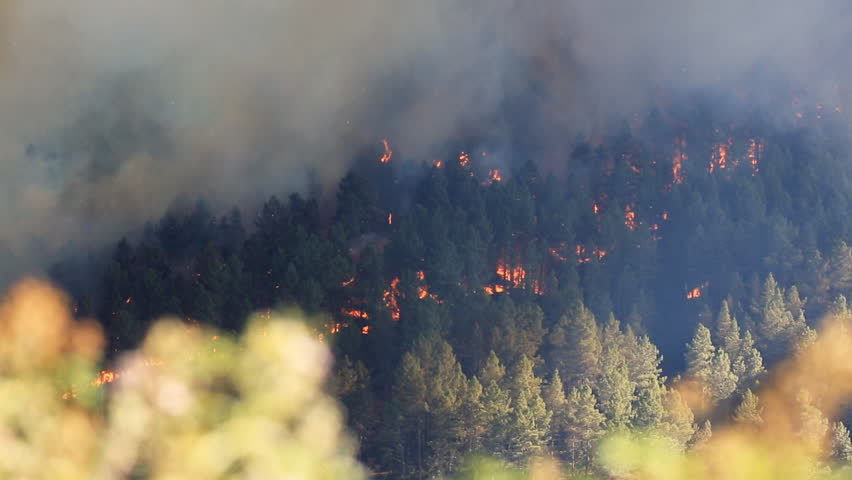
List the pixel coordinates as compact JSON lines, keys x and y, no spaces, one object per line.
{"x":193,"y":403}
{"x":190,"y":403}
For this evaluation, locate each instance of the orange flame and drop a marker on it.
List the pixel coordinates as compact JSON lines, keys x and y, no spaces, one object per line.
{"x":106,"y":376}
{"x":720,"y":155}
{"x":390,"y":219}
{"x":679,"y":157}
{"x":386,"y":157}
{"x":365,"y":330}
{"x":347,"y":282}
{"x":596,"y":208}
{"x":630,"y":218}
{"x":354,"y":312}
{"x":495,"y":176}
{"x":755,"y":151}
{"x":492,"y":289}
{"x":696,"y":292}
{"x":128,"y":300}
{"x":439,"y":164}
{"x":464,"y":159}
{"x":390,"y":296}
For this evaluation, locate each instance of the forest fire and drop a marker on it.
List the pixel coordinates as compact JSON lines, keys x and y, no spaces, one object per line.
{"x":495,"y":176}
{"x":630,"y":218}
{"x":365,"y":330}
{"x":388,"y":154}
{"x":697,"y":292}
{"x":464,"y":159}
{"x":515,"y":276}
{"x":390,"y":296}
{"x":104,"y":377}
{"x":719,"y":157}
{"x":347,"y":282}
{"x":356,"y":313}
{"x":492,"y":289}
{"x":679,"y":158}
{"x":755,"y":150}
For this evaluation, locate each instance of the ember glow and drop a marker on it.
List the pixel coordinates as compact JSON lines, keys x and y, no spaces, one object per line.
{"x":464,"y":159}
{"x":755,"y":151}
{"x":679,"y":158}
{"x":495,"y":176}
{"x":697,"y":292}
{"x":354,"y":312}
{"x":719,"y":157}
{"x":630,"y":218}
{"x":388,"y":154}
{"x":391,"y":296}
{"x":348,"y":282}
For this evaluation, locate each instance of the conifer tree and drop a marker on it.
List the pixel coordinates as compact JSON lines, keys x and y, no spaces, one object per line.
{"x":585,"y":426}
{"x":728,"y":331}
{"x":699,"y":355}
{"x":557,"y":405}
{"x":576,"y":346}
{"x":493,"y":370}
{"x":751,"y":361}
{"x":614,"y":388}
{"x":529,"y":420}
{"x":678,"y":421}
{"x":701,"y":436}
{"x":749,"y":411}
{"x":813,"y":425}
{"x":841,"y":445}
{"x":722,"y":381}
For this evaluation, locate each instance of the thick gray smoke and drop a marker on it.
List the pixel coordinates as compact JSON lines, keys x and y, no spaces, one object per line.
{"x":112,"y":109}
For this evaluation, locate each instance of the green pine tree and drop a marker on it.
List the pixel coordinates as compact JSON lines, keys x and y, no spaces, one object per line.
{"x":749,"y":412}
{"x":841,"y":445}
{"x":585,"y":426}
{"x":529,"y":420}
{"x":576,"y":346}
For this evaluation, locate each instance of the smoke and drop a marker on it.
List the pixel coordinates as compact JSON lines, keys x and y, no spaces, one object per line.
{"x":111,"y":110}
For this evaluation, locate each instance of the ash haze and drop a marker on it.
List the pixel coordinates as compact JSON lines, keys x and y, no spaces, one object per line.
{"x":112,"y":109}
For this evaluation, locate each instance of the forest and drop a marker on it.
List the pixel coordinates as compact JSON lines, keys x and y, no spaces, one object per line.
{"x":650,"y":282}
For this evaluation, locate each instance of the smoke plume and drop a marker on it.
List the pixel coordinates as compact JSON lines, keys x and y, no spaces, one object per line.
{"x":111,"y":110}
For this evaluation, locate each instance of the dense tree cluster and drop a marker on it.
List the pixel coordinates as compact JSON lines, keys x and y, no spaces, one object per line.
{"x":520,"y":312}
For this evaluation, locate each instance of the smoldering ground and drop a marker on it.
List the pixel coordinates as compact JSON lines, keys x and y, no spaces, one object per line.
{"x":111,"y":110}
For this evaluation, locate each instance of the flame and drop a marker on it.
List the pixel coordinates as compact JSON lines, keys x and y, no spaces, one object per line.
{"x":464,"y":159}
{"x":128,"y":300}
{"x":354,"y":312}
{"x":679,"y":157}
{"x":600,"y":253}
{"x":390,"y":296}
{"x":556,"y":254}
{"x":365,"y":330}
{"x":421,"y":275}
{"x":335,"y":329}
{"x":347,"y":282}
{"x":755,"y":151}
{"x":665,"y":215}
{"x":106,"y":376}
{"x":515,"y":276}
{"x":439,"y":164}
{"x":390,"y":219}
{"x":492,"y":289}
{"x":495,"y":176}
{"x":630,"y":218}
{"x":697,"y":291}
{"x":386,"y":157}
{"x":720,"y":155}
{"x":595,"y":208}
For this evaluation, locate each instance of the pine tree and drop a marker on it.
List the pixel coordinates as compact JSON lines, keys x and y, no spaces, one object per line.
{"x":585,"y":426}
{"x":496,"y":406}
{"x":776,"y":323}
{"x":749,"y":411}
{"x":473,"y":426}
{"x":529,"y":420}
{"x":752,"y":361}
{"x":841,"y":445}
{"x":493,"y":370}
{"x":794,"y":302}
{"x":576,"y":346}
{"x":699,"y":355}
{"x":722,"y":381}
{"x":728,"y":331}
{"x":557,"y":405}
{"x":678,"y":421}
{"x":813,"y":426}
{"x":701,"y":436}
{"x":614,"y":388}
